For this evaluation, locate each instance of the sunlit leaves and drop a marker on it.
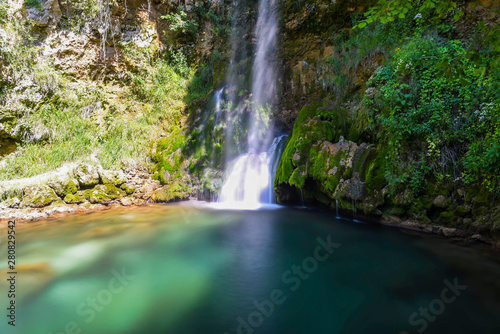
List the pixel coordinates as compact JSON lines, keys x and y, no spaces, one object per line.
{"x":387,"y":10}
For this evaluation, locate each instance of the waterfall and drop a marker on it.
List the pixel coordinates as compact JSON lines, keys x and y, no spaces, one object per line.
{"x":250,"y":176}
{"x":264,"y":75}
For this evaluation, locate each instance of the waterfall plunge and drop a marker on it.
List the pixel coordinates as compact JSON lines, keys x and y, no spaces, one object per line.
{"x":250,"y":177}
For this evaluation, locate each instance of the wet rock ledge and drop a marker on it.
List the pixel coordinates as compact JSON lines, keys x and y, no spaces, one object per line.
{"x":83,"y":187}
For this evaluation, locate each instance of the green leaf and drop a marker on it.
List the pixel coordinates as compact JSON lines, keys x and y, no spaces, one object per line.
{"x":361,"y":25}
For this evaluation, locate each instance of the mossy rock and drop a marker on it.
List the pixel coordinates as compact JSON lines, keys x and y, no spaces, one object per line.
{"x":375,"y":175}
{"x":87,"y":175}
{"x":128,"y":188}
{"x":116,"y":178}
{"x":175,"y":191}
{"x":64,"y":185}
{"x":463,"y":211}
{"x":103,"y":193}
{"x":212,"y":180}
{"x":447,"y":218}
{"x":38,"y":196}
{"x":74,"y":199}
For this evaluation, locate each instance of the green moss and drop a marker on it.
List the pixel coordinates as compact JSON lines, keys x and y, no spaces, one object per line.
{"x":395,"y":211}
{"x":168,"y":154}
{"x":74,"y":199}
{"x":375,"y":178}
{"x":102,"y":193}
{"x":129,"y":190}
{"x":462,"y":211}
{"x":94,"y":196}
{"x":447,"y":218}
{"x":172,"y":192}
{"x":38,"y":196}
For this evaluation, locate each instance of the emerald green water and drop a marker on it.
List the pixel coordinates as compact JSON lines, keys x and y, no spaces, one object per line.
{"x":184,"y":270}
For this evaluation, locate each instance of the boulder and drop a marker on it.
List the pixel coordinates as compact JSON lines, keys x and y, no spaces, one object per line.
{"x":38,"y":196}
{"x":74,"y":199}
{"x":116,"y":178}
{"x":440,"y":201}
{"x":103,"y":193}
{"x":64,"y":185}
{"x":86,"y":175}
{"x":173,"y":192}
{"x":126,"y":201}
{"x":49,"y":15}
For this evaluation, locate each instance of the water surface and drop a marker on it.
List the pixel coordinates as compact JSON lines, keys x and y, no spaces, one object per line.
{"x":184,"y":270}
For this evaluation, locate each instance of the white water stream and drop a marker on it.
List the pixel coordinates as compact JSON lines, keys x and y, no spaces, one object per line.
{"x":250,"y":176}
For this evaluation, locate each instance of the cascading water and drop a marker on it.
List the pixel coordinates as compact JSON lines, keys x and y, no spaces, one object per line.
{"x":250,"y":176}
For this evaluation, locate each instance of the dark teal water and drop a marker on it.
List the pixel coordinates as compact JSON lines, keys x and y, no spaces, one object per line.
{"x":181,"y":270}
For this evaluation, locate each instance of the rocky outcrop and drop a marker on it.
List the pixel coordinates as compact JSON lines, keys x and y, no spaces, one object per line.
{"x":38,"y":196}
{"x":321,"y":161}
{"x":324,"y":163}
{"x":83,"y":187}
{"x":48,"y":15}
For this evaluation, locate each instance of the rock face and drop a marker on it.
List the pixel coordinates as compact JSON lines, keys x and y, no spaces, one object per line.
{"x":49,"y":14}
{"x":326,"y":162}
{"x":319,"y":160}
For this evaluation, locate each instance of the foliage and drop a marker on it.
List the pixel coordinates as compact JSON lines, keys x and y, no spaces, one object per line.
{"x":388,"y":10}
{"x":449,"y":122}
{"x":33,"y":4}
{"x":80,"y":12}
{"x":4,"y":7}
{"x":59,"y":120}
{"x":180,"y":24}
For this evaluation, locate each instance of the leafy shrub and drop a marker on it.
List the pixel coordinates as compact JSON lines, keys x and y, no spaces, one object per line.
{"x":439,"y":116}
{"x":180,"y":24}
{"x":4,"y":7}
{"x":33,"y":4}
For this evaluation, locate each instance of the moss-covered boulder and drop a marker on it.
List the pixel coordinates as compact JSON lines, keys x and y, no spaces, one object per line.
{"x":116,"y":178}
{"x":74,"y":199}
{"x":129,"y":188}
{"x":64,"y":185}
{"x":86,"y":175}
{"x":168,"y":157}
{"x":176,"y":191}
{"x":320,"y":165}
{"x":38,"y":196}
{"x":102,"y":193}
